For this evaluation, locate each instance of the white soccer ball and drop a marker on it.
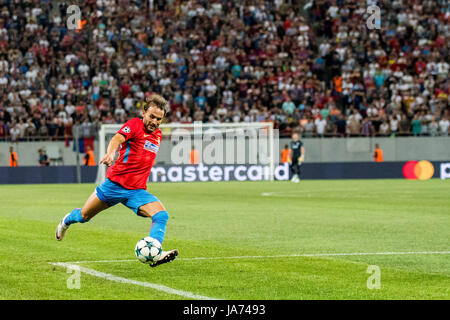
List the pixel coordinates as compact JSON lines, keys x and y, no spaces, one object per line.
{"x":148,"y":250}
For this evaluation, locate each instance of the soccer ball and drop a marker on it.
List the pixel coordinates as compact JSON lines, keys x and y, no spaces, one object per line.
{"x":148,"y":250}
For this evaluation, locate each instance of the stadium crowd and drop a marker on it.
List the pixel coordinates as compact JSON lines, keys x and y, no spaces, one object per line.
{"x":309,"y":66}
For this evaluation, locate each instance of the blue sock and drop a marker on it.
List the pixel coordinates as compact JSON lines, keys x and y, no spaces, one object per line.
{"x":74,"y":217}
{"x":159,"y":221}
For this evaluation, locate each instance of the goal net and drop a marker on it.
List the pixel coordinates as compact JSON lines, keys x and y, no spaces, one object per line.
{"x":208,"y":152}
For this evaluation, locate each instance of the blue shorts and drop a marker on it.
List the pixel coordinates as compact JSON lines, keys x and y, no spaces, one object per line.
{"x":112,"y":193}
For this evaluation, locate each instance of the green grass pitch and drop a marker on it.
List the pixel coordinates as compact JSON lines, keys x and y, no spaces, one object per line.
{"x":279,"y":228}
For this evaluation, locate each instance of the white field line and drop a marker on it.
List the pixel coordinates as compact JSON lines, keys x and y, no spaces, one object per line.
{"x":280,"y":256}
{"x":114,"y":278}
{"x":186,"y":294}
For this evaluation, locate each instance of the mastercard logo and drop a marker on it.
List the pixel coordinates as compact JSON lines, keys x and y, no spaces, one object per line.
{"x":422,"y":170}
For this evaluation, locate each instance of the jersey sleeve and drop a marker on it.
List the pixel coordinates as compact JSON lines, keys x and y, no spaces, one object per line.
{"x":129,"y":129}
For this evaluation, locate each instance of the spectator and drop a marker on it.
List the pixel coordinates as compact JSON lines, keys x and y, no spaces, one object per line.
{"x":334,"y":113}
{"x":14,"y":133}
{"x":30,"y":130}
{"x":416,"y":125}
{"x":329,"y":129}
{"x":43,"y":158}
{"x":320,"y":125}
{"x":201,"y":100}
{"x":341,"y":126}
{"x":288,"y":106}
{"x":384,"y":129}
{"x":424,"y":126}
{"x":87,"y":128}
{"x":265,"y":56}
{"x":444,"y":125}
{"x":366,"y":128}
{"x":43,"y":130}
{"x":308,"y":128}
{"x":394,"y":124}
{"x":433,"y":128}
{"x":354,"y":124}
{"x":3,"y":130}
{"x":22,"y":129}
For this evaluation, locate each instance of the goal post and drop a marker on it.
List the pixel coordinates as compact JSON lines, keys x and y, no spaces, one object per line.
{"x":246,"y":146}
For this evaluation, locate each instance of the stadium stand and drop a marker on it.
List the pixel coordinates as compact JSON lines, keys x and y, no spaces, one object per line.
{"x":311,"y":66}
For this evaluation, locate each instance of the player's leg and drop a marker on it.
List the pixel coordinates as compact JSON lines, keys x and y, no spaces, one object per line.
{"x":291,"y":167}
{"x":105,"y":196}
{"x":92,"y":206}
{"x":299,"y":170}
{"x":156,"y":211}
{"x":294,"y":169}
{"x":147,"y":205}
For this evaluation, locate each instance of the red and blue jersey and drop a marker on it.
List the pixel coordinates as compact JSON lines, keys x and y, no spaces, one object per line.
{"x":136,"y":155}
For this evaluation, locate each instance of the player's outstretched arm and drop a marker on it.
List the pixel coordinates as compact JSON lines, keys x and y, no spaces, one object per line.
{"x":114,"y":144}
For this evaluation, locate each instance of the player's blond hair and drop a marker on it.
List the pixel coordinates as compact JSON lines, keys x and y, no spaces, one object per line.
{"x":158,"y":101}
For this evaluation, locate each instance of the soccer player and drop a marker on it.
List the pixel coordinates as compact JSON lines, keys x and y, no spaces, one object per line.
{"x":126,"y":180}
{"x":297,"y":157}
